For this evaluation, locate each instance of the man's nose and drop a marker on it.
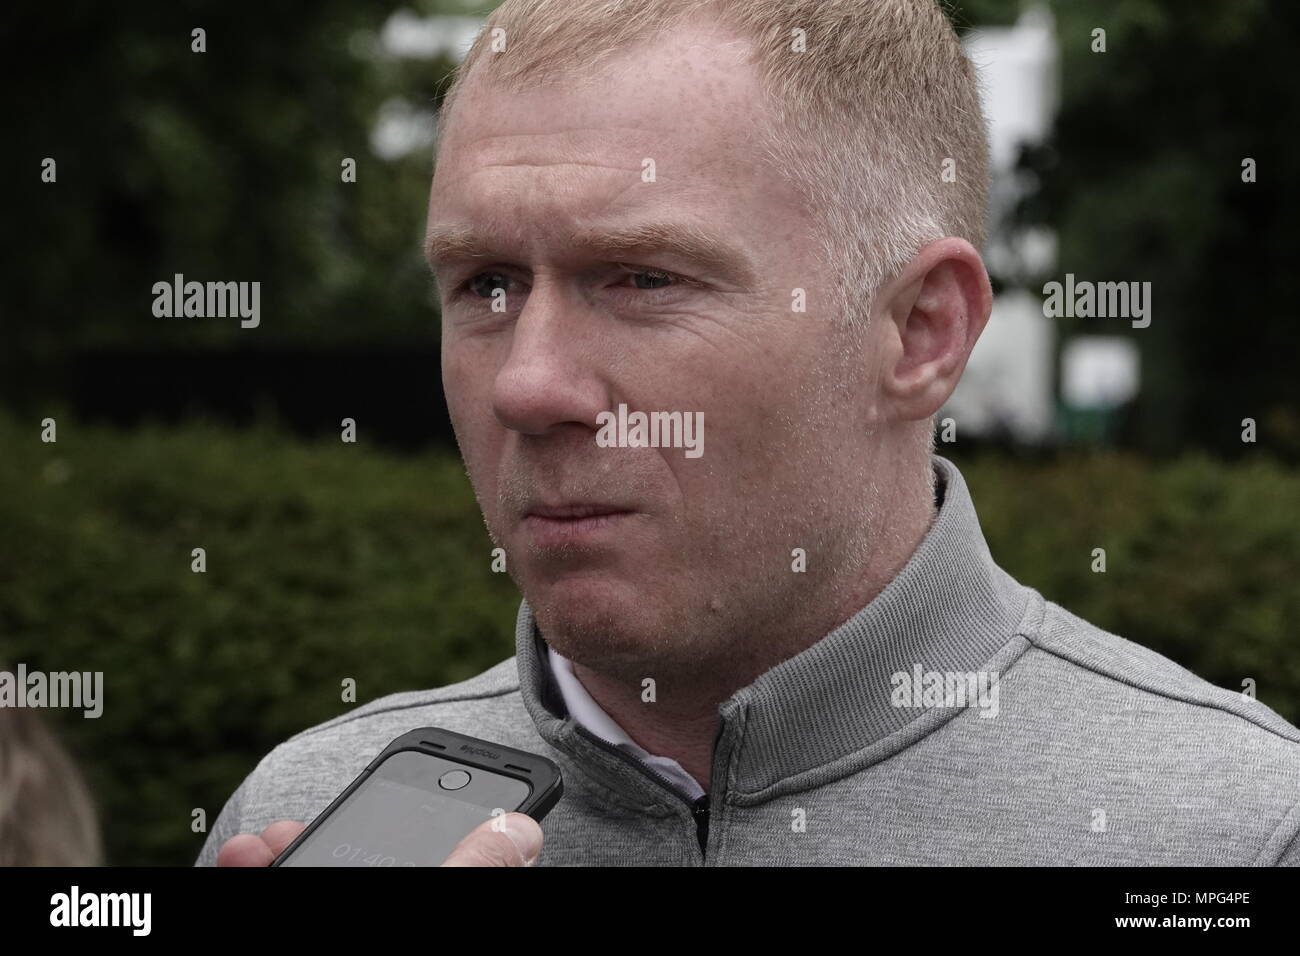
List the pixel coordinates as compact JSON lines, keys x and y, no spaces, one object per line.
{"x":548,"y":378}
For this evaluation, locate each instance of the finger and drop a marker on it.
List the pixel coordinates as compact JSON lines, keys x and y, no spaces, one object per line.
{"x":514,"y":839}
{"x":280,"y":834}
{"x":245,"y":849}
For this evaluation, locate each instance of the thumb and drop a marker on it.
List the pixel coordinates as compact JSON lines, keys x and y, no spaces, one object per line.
{"x":511,"y":839}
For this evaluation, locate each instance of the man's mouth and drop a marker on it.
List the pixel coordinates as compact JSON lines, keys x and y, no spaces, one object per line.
{"x":575,"y":510}
{"x":571,"y":521}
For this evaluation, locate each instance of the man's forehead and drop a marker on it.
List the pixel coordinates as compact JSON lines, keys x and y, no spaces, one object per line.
{"x":606,"y":189}
{"x":653,"y":151}
{"x":685,"y":91}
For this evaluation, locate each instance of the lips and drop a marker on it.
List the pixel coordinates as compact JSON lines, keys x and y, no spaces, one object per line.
{"x":573,"y":511}
{"x":571,"y":523}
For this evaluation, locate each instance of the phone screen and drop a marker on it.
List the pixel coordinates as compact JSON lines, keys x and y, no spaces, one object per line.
{"x":404,"y":813}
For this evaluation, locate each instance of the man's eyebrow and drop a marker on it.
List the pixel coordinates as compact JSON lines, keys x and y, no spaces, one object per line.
{"x":683,"y":241}
{"x":442,"y":243}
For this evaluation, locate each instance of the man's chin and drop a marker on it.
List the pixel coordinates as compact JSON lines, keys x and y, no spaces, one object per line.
{"x":603,"y":622}
{"x":586,"y":601}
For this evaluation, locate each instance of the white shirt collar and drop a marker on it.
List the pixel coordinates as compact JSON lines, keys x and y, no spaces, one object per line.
{"x":589,"y":714}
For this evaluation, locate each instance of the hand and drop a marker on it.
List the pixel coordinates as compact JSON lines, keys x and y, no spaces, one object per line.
{"x":513,"y":839}
{"x":247,"y":849}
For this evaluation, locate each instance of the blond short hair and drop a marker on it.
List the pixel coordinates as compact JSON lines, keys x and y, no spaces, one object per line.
{"x":861,"y":126}
{"x":47,"y":815}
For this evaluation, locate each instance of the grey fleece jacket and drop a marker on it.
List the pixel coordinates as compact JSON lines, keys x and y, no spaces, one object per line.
{"x":1073,"y":747}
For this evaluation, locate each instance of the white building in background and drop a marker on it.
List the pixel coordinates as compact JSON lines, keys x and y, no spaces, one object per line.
{"x":1099,"y":372}
{"x":1009,"y":384}
{"x":403,"y":126}
{"x":406,"y":34}
{"x":1008,"y":387}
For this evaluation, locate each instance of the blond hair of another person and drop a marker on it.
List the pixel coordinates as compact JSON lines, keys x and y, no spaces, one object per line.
{"x":47,"y":815}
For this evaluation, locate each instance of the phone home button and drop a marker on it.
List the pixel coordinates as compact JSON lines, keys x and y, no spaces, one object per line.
{"x":453,"y":779}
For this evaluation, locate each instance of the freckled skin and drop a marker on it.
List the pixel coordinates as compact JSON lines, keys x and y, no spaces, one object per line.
{"x":697,"y":589}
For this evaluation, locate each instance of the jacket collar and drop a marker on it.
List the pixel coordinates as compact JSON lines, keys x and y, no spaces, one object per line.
{"x":950,"y":609}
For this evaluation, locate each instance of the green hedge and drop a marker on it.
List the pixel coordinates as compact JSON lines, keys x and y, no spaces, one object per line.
{"x":324,"y":562}
{"x":328,"y":561}
{"x":1202,"y":558}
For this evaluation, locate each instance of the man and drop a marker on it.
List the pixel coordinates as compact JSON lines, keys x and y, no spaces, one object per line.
{"x":793,"y":646}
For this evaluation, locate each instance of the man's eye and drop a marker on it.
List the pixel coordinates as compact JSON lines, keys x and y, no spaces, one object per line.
{"x":651,"y":279}
{"x":648,"y":280}
{"x":482,"y":284}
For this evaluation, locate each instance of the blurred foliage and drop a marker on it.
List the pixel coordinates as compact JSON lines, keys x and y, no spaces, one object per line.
{"x":1142,"y":181}
{"x":324,"y":562}
{"x":327,"y":561}
{"x":1202,"y":556}
{"x":223,"y":165}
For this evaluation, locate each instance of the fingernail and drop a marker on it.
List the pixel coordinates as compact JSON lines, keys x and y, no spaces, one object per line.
{"x":527,"y":840}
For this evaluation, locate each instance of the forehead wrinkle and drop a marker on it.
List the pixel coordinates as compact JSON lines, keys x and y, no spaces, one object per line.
{"x":447,"y":180}
{"x":685,"y":240}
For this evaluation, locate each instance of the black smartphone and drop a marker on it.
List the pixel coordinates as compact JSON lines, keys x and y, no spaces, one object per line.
{"x":420,"y":797}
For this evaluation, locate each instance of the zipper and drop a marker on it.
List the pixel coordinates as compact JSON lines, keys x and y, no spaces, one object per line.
{"x":699,"y":807}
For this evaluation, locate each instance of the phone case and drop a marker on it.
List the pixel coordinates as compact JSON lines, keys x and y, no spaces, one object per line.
{"x":540,"y":773}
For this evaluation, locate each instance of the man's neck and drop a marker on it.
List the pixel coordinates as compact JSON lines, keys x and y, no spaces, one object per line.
{"x":683,"y":726}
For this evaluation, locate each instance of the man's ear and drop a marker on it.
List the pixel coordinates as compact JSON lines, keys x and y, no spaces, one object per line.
{"x":930,"y":316}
